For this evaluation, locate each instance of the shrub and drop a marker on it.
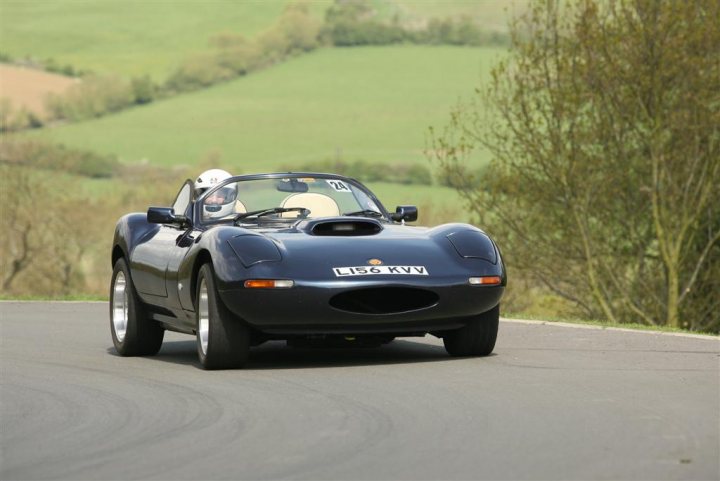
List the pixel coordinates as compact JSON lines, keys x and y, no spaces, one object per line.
{"x":198,"y":72}
{"x":12,"y":120}
{"x":241,"y":58}
{"x":236,"y":53}
{"x":272,"y":45}
{"x":143,"y":89}
{"x":417,"y":174}
{"x":462,"y":178}
{"x":50,"y":65}
{"x":301,"y":30}
{"x":93,"y":97}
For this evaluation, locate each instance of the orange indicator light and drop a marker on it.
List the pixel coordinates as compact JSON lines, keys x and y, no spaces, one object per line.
{"x":485,"y":281}
{"x":268,"y":284}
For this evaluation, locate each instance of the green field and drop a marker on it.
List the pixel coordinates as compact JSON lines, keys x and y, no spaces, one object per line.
{"x":128,"y":37}
{"x":138,"y":37}
{"x":362,"y":103}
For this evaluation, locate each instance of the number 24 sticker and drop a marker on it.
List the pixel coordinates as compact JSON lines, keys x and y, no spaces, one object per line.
{"x":338,"y":185}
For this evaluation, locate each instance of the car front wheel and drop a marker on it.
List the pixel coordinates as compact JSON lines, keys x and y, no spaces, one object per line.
{"x":133,"y":332}
{"x":222,"y":338}
{"x":477,"y":338}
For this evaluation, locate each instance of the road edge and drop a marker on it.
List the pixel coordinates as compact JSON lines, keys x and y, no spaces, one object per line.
{"x":708,"y":337}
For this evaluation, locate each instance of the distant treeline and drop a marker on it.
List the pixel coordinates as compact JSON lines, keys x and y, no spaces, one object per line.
{"x":354,"y":23}
{"x":48,"y":65}
{"x":408,"y":173}
{"x":44,"y":155}
{"x":397,"y":173}
{"x":346,"y":24}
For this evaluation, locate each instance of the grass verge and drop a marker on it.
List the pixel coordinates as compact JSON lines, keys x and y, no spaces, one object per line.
{"x":69,"y":297}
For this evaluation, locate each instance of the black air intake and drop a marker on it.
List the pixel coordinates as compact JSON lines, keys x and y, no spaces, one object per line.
{"x":346,"y":228}
{"x":384,"y":300}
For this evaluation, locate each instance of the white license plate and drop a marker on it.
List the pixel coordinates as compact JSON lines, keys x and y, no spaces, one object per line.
{"x":380,"y":270}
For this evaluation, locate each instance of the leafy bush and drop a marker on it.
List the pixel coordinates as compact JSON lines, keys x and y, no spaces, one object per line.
{"x":50,"y":65}
{"x":93,"y":97}
{"x":462,"y":177}
{"x":300,"y":29}
{"x":12,"y":120}
{"x":143,"y":89}
{"x":416,"y":174}
{"x":236,"y":53}
{"x":197,"y":72}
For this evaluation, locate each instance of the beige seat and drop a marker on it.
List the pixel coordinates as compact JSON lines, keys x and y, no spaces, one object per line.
{"x":320,"y":205}
{"x":240,"y":207}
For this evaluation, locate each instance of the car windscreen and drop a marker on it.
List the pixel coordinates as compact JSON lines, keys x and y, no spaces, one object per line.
{"x":321,"y":197}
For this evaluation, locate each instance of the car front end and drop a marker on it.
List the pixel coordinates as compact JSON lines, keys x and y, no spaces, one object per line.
{"x":354,"y":276}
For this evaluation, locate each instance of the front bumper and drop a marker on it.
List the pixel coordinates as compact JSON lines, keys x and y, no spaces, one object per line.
{"x":306,"y":309}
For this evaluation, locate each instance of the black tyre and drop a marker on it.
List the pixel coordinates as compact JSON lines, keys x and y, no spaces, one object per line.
{"x":223,"y":341}
{"x":477,"y":338}
{"x":133,"y":332}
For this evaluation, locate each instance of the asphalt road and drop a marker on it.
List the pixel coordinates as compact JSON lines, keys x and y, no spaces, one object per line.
{"x":552,"y":403}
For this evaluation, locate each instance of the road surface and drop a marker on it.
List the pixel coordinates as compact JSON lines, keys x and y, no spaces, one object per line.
{"x":552,"y":402}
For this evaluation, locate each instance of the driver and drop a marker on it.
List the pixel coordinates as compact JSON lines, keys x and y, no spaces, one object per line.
{"x":220,"y":203}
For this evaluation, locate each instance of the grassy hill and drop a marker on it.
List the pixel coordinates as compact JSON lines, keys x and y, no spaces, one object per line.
{"x":128,"y":37}
{"x":138,"y":37}
{"x":362,"y":103}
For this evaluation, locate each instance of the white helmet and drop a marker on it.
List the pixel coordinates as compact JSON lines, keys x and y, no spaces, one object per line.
{"x":208,"y":179}
{"x":220,"y":203}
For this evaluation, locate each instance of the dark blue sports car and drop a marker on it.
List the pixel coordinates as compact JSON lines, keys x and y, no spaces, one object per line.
{"x":303,"y":257}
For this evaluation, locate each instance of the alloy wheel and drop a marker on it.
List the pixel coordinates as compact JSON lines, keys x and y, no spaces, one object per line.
{"x":120,"y":307}
{"x":203,"y":317}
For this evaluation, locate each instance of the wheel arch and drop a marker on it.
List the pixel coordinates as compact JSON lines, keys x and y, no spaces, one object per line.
{"x":202,"y":258}
{"x":117,"y":253}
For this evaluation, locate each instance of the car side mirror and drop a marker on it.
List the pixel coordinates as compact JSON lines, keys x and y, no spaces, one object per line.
{"x":407,"y":213}
{"x":165,"y":215}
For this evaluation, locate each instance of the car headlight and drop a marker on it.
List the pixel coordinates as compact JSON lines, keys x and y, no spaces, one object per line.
{"x":254,"y":249}
{"x":472,"y":244}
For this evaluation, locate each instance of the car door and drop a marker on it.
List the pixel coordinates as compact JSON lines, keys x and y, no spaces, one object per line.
{"x":151,"y":257}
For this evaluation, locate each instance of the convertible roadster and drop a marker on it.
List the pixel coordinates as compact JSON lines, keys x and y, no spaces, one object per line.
{"x":302,"y":257}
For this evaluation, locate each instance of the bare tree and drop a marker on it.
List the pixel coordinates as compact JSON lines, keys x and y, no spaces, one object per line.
{"x":22,"y":199}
